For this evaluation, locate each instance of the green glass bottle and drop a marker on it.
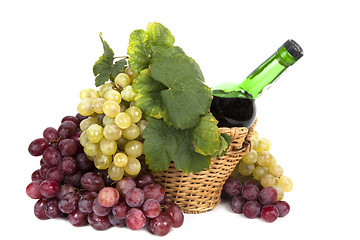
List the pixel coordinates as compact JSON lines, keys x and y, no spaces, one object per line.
{"x":233,"y":105}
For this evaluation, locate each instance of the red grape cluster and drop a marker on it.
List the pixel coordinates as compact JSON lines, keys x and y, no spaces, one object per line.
{"x":68,"y":185}
{"x":253,"y":201}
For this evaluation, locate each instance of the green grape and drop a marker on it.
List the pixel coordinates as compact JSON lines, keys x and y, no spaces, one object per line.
{"x":113,"y":95}
{"x":135,"y":113}
{"x":128,"y":94}
{"x":98,"y":105}
{"x":112,"y":132}
{"x":259,"y":172}
{"x":111,"y":108}
{"x":115,"y":173}
{"x":264,"y":145}
{"x":95,"y":133}
{"x":123,"y":120}
{"x":83,"y":139}
{"x":254,"y":143}
{"x":108,"y":147}
{"x":142,"y":124}
{"x":276,"y":170}
{"x":130,"y":73}
{"x":133,"y":167}
{"x":92,"y":149}
{"x":245,"y":169}
{"x":134,"y":148}
{"x":120,"y":159}
{"x":108,"y":121}
{"x":86,"y":123}
{"x":285,"y":183}
{"x":104,"y":88}
{"x":132,"y":132}
{"x":264,"y":158}
{"x":88,"y":93}
{"x":255,"y":135}
{"x":268,"y":180}
{"x":250,"y":157}
{"x":102,"y":161}
{"x":85,"y":107}
{"x":122,"y":80}
{"x":279,"y":190}
{"x":122,"y":142}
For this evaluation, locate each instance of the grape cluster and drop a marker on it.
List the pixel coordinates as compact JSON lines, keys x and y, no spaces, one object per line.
{"x":260,"y":165}
{"x":68,"y":185}
{"x":111,"y":135}
{"x":253,"y":200}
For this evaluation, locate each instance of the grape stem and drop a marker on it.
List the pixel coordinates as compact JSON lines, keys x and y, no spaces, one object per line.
{"x":123,"y":57}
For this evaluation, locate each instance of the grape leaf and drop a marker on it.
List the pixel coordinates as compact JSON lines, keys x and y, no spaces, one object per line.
{"x":225,"y":141}
{"x":144,"y":44}
{"x":164,"y":144}
{"x":105,"y":69}
{"x":186,"y":97}
{"x":206,"y":135}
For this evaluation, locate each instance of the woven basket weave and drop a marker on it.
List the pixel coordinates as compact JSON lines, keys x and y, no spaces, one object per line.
{"x":201,"y":192}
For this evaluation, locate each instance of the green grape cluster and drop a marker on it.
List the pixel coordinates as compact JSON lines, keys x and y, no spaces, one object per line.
{"x":259,"y":164}
{"x":112,"y":133}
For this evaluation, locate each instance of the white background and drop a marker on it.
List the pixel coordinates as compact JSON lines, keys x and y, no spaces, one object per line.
{"x":311,"y":115}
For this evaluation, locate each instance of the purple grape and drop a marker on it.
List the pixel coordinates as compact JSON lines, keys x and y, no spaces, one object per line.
{"x":135,"y":219}
{"x":98,"y":222}
{"x":283,"y":208}
{"x":250,"y":182}
{"x":151,"y":208}
{"x":49,"y":188}
{"x":76,"y":137}
{"x":69,"y":202}
{"x":52,"y":208}
{"x":120,"y":209}
{"x":52,"y":156}
{"x":83,"y":163}
{"x":68,"y":165}
{"x":81,"y":117}
{"x":38,"y":146}
{"x":86,"y":201}
{"x":250,"y":192}
{"x":268,"y":196}
{"x":44,"y":170}
{"x":232,"y":187}
{"x":116,"y":221}
{"x":251,"y":209}
{"x":92,"y":182}
{"x":237,"y":203}
{"x":154,"y":191}
{"x":143,"y":179}
{"x":39,"y":210}
{"x":36,"y":175}
{"x":67,"y":129}
{"x":51,"y":134}
{"x":74,"y":179}
{"x":269,"y":213}
{"x":98,"y":209}
{"x":175,"y":214}
{"x":108,"y":196}
{"x":33,"y":189}
{"x":78,"y":218}
{"x":68,"y":147}
{"x":55,"y":174}
{"x":65,"y":189}
{"x":125,"y":185}
{"x":161,"y":225}
{"x":135,"y":197}
{"x":71,"y":119}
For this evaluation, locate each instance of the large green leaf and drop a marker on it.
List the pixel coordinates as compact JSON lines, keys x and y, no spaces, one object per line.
{"x":186,"y":97}
{"x":164,"y":144}
{"x":206,"y":135}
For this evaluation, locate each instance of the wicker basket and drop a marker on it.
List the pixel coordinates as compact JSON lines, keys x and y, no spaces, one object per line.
{"x":201,"y":192}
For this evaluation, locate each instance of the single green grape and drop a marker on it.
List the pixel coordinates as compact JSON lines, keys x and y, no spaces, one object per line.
{"x":259,"y":172}
{"x":279,"y":190}
{"x":122,"y":80}
{"x":112,"y":132}
{"x":135,"y":113}
{"x":88,"y":93}
{"x":250,"y":157}
{"x":120,"y":159}
{"x":134,"y":148}
{"x":86,"y":123}
{"x":128,"y":94}
{"x":111,"y":108}
{"x":92,"y":149}
{"x":95,"y":133}
{"x":255,"y":134}
{"x":102,"y":161}
{"x":268,"y":180}
{"x":104,"y":88}
{"x":133,"y":167}
{"x":130,"y":73}
{"x":85,"y":107}
{"x":264,"y":158}
{"x":264,"y":145}
{"x":245,"y":169}
{"x":285,"y":183}
{"x":108,"y":147}
{"x":113,"y":95}
{"x":132,"y":132}
{"x":98,"y":105}
{"x":123,"y":120}
{"x":108,"y":120}
{"x":276,"y":170}
{"x":115,"y":173}
{"x":83,"y":139}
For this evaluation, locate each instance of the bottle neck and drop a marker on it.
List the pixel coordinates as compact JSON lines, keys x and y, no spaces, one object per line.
{"x":262,"y":77}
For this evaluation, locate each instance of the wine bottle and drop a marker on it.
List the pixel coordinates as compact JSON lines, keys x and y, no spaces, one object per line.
{"x":233,"y":105}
